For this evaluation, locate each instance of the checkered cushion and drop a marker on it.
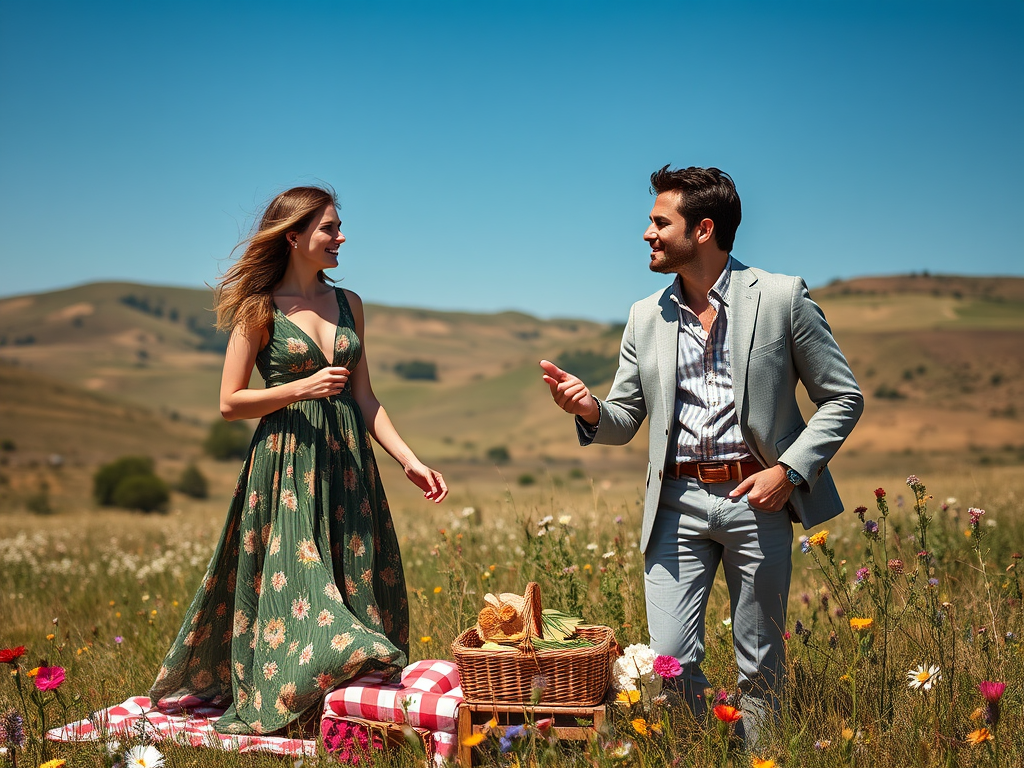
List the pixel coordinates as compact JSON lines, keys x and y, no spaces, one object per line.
{"x":431,"y":676}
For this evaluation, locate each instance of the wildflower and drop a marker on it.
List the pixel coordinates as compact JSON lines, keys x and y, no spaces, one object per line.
{"x":933,"y":582}
{"x":8,"y":655}
{"x":640,"y":726}
{"x":565,"y":519}
{"x":805,"y":546}
{"x":861,"y":625}
{"x":822,"y":744}
{"x":13,"y":725}
{"x":426,"y":639}
{"x":914,"y":480}
{"x":55,"y":763}
{"x":879,"y":493}
{"x":619,"y":751}
{"x":870,"y":529}
{"x":547,"y":519}
{"x":468,"y":511}
{"x":544,"y":725}
{"x":992,"y":692}
{"x":474,"y":740}
{"x":979,"y":737}
{"x":437,"y":590}
{"x":975,"y":515}
{"x":818,"y":539}
{"x":667,"y":667}
{"x":799,"y":628}
{"x":833,"y":640}
{"x":619,"y":520}
{"x":896,"y":566}
{"x":49,"y":678}
{"x":727,"y":622}
{"x":863,"y":574}
{"x":50,"y":636}
{"x":539,"y":682}
{"x":143,"y":757}
{"x":511,"y":734}
{"x":118,"y":639}
{"x":726,"y":713}
{"x":627,"y":697}
{"x":923,"y":677}
{"x":758,"y":762}
{"x":859,"y":511}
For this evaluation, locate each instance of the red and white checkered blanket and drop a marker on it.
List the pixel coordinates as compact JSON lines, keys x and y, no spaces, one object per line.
{"x":428,"y":696}
{"x":190,"y":722}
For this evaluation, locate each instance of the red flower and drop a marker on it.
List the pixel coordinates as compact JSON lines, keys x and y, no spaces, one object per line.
{"x":49,"y":678}
{"x":992,"y":692}
{"x":8,"y":655}
{"x":879,"y":493}
{"x":727,"y":714}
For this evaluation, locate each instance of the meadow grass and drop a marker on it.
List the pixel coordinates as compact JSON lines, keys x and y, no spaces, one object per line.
{"x":87,"y":577}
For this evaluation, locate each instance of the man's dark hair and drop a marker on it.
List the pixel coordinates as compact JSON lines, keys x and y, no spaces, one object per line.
{"x":705,"y":193}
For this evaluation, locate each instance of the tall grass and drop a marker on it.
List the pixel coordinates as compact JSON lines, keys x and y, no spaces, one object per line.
{"x":935,"y":585}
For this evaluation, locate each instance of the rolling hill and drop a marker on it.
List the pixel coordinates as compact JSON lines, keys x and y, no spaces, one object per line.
{"x":112,"y":368}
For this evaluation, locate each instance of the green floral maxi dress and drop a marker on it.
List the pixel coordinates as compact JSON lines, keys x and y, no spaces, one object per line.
{"x":305,"y":588}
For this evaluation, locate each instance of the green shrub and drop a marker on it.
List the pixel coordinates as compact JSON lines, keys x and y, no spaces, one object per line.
{"x":227,"y":440}
{"x":421,"y":370}
{"x":147,"y":493}
{"x":193,"y":483}
{"x":527,"y":479}
{"x":499,"y":454}
{"x":109,"y":476}
{"x":591,"y":367}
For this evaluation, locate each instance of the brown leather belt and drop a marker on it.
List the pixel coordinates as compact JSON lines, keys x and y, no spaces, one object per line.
{"x":714,"y":471}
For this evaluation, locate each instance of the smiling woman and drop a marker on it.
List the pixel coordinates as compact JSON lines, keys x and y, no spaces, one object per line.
{"x":306,"y":588}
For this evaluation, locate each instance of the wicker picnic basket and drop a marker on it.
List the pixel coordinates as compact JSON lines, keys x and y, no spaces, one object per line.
{"x":571,"y":676}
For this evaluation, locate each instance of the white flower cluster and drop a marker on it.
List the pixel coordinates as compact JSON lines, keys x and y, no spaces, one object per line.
{"x":634,"y":670}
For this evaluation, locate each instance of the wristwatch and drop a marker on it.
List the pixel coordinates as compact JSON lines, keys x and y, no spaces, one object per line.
{"x":793,"y":476}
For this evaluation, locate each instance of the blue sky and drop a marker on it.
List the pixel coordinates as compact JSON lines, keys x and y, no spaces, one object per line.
{"x":496,"y":155}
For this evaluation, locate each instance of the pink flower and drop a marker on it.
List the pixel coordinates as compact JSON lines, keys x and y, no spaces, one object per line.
{"x":49,"y":678}
{"x":667,"y":667}
{"x":992,"y":692}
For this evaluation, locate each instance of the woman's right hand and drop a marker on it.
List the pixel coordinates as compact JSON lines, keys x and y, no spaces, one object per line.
{"x":324,"y":383}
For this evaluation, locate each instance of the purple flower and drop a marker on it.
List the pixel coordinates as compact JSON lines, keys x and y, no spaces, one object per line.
{"x":667,"y":667}
{"x":933,"y":582}
{"x":862,"y":574}
{"x":870,"y":529}
{"x":118,"y":639}
{"x":14,"y":728}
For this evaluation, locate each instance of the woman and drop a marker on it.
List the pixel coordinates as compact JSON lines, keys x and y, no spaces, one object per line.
{"x":305,"y":589}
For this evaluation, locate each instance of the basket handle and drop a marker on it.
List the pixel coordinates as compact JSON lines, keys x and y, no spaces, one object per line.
{"x":531,"y":616}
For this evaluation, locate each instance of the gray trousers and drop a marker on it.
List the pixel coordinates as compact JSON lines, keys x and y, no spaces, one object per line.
{"x":698,"y":526}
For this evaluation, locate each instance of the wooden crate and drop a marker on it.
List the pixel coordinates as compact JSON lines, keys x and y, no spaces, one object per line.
{"x":568,"y":723}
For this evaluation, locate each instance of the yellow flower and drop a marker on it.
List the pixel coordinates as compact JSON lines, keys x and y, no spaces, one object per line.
{"x":426,"y":639}
{"x":32,"y":672}
{"x":117,"y":615}
{"x":640,"y":726}
{"x":112,"y":603}
{"x":587,"y":567}
{"x":55,"y":763}
{"x":978,"y":737}
{"x":50,"y":636}
{"x":757,"y":762}
{"x":492,"y":723}
{"x":474,"y":740}
{"x":818,"y":539}
{"x":628,"y":697}
{"x":844,"y":678}
{"x":437,"y":590}
{"x":860,"y":625}
{"x":491,"y":568}
{"x":848,"y":734}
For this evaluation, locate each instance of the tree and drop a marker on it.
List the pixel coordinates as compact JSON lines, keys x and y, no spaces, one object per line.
{"x":193,"y":483}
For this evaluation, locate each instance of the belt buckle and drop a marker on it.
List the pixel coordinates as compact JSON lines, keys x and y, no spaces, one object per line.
{"x":714,"y":471}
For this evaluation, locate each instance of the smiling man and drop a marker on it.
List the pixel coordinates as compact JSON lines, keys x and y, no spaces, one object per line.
{"x":714,"y":360}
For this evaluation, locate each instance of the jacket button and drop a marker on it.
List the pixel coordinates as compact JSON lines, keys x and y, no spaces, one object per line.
{"x":660,"y":473}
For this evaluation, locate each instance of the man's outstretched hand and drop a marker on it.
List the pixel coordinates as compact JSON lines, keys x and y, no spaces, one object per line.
{"x":570,"y":394}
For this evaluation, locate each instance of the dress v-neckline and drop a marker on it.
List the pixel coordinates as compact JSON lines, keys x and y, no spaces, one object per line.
{"x":309,"y":337}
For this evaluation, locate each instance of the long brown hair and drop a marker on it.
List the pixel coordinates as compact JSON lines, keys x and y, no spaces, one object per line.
{"x":245,"y":294}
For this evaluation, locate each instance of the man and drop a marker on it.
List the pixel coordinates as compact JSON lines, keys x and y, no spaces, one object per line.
{"x":713,"y":360}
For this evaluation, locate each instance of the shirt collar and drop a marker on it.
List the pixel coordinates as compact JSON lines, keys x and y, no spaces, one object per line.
{"x":720,"y":290}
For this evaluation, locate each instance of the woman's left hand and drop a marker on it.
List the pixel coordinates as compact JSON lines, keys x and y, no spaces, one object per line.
{"x":427,"y":479}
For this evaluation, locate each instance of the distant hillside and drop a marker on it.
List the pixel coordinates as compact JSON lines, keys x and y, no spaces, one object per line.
{"x":939,"y":358}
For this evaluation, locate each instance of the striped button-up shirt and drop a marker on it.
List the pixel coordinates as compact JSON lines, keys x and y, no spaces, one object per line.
{"x":706,"y":425}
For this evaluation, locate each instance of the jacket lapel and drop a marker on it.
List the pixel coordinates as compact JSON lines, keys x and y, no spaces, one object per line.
{"x":744,"y":298}
{"x":666,"y":338}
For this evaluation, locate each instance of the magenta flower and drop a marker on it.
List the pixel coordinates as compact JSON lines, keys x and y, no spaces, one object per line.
{"x":667,"y":667}
{"x":49,"y":678}
{"x":992,"y":692}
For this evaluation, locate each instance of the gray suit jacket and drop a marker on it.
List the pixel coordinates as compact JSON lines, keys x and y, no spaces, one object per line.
{"x":778,"y":336}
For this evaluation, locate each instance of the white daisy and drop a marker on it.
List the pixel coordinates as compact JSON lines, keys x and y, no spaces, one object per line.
{"x":924,"y":677}
{"x":143,"y":757}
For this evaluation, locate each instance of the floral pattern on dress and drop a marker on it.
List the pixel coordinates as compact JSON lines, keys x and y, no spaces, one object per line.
{"x":305,"y":589}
